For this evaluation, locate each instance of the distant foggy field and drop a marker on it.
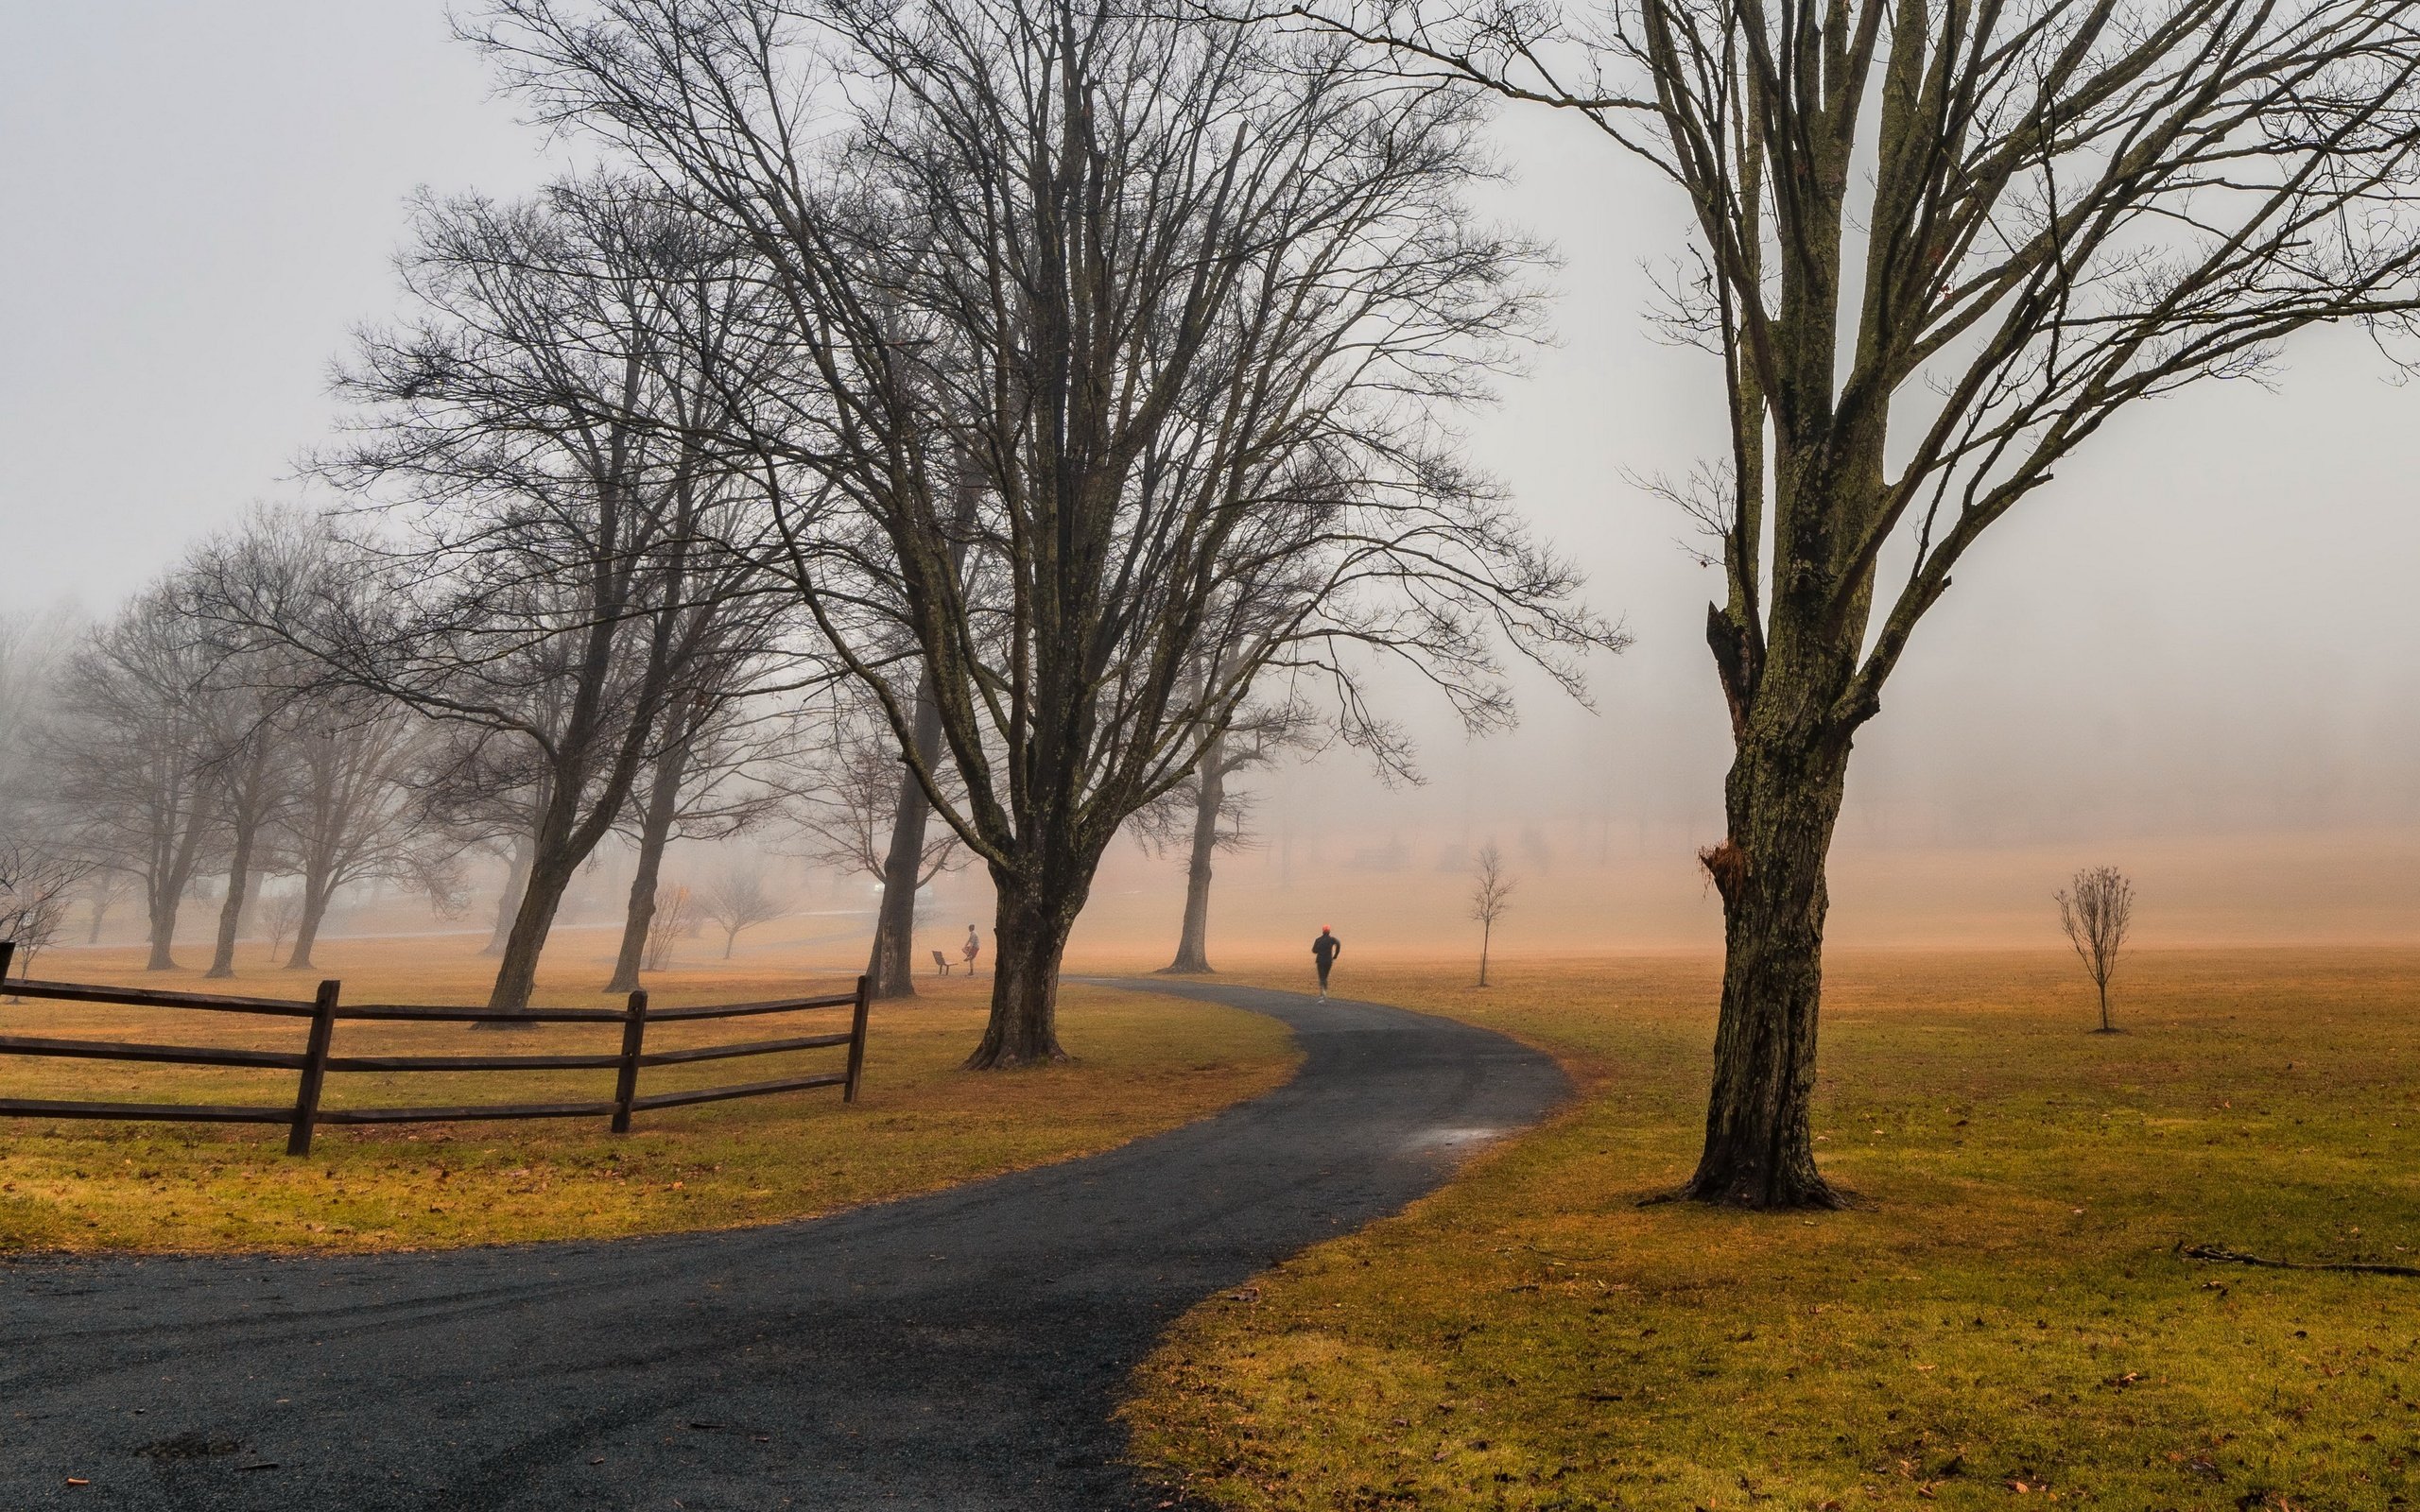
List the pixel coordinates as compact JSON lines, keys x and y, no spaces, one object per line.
{"x":2006,"y":1313}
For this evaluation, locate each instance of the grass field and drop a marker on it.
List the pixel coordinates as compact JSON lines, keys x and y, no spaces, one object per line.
{"x":1144,"y":1064}
{"x":2003,"y":1321}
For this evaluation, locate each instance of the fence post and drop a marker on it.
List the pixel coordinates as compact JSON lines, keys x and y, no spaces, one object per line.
{"x":314,"y":1068}
{"x":857,"y":1041}
{"x":626,"y":1080}
{"x":8,"y":954}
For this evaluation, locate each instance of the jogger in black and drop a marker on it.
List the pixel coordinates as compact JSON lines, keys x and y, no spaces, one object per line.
{"x":1324,"y":949}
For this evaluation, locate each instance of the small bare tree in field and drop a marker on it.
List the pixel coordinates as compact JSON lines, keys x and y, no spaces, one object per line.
{"x":104,"y":890}
{"x":1491,"y":900}
{"x":279,"y":918}
{"x":2095,"y":911}
{"x":37,"y":882}
{"x":675,"y":919}
{"x":739,"y":899}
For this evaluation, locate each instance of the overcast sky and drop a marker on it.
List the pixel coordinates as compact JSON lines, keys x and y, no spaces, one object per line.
{"x":2200,"y":636}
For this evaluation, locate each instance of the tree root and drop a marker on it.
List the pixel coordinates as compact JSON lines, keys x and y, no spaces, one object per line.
{"x":1827,"y":1199}
{"x":2233,"y":1257}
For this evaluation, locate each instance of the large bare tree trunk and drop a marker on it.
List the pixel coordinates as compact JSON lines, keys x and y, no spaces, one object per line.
{"x":655,"y":833}
{"x":516,"y":976}
{"x":893,"y":970}
{"x":508,"y":903}
{"x":1031,"y":925}
{"x":239,"y":892}
{"x":1784,"y":798}
{"x":163,"y":931}
{"x":164,"y":887}
{"x":1193,"y":945}
{"x":316,"y":891}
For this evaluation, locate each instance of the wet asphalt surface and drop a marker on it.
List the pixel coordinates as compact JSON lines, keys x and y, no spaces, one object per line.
{"x":963,"y":1351}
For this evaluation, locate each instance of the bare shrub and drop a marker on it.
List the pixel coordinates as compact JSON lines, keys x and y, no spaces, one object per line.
{"x":676,"y":919}
{"x":739,"y":899}
{"x":1490,"y":898}
{"x":2095,"y":911}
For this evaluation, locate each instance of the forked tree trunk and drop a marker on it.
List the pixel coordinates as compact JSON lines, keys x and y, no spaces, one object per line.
{"x":164,"y":891}
{"x":508,"y":903}
{"x":316,"y":893}
{"x":1784,"y":798}
{"x":516,"y":977}
{"x":655,"y":833}
{"x":1033,"y":925}
{"x":892,"y":971}
{"x":231,"y":913}
{"x":1193,"y":944}
{"x":164,"y":932}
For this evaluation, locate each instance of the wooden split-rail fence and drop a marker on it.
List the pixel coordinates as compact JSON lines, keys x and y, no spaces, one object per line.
{"x":316,"y":1059}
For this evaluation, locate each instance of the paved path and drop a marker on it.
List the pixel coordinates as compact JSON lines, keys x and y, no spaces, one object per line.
{"x":960,"y":1352}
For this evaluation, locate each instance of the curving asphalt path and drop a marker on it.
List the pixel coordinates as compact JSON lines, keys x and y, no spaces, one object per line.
{"x":961,"y":1350}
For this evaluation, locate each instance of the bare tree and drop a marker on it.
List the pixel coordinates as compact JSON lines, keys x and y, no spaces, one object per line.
{"x":1490,"y":898}
{"x":353,"y":813}
{"x":859,"y":808}
{"x":279,"y":915}
{"x":247,"y":762}
{"x":739,"y":899}
{"x":2095,"y":911}
{"x":703,"y":783}
{"x":31,"y":650}
{"x":38,"y":884}
{"x":915,"y":855}
{"x":674,"y":918}
{"x":1210,"y":816}
{"x":317,"y":768}
{"x":1190,"y":297}
{"x":132,"y":752}
{"x":1936,"y":248}
{"x":104,"y":889}
{"x":549,"y":531}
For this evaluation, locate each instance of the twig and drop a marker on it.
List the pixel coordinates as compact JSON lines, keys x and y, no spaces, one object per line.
{"x":2212,"y":1252}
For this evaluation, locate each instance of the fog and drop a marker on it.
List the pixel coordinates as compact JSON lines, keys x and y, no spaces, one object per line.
{"x":2188,"y":657}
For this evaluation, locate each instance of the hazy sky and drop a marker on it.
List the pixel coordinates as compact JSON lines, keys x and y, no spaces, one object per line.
{"x":2196,"y":643}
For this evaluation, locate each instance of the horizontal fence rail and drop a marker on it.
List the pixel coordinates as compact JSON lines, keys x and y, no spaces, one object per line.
{"x":313,"y":1063}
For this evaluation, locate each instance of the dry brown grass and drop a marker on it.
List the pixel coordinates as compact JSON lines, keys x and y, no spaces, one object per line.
{"x":1144,"y":1064}
{"x":2004,"y":1323}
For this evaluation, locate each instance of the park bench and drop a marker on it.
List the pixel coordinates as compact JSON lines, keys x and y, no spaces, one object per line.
{"x":941,"y":961}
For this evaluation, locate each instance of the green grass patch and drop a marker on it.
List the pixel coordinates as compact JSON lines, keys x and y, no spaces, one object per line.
{"x":2004,"y":1320}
